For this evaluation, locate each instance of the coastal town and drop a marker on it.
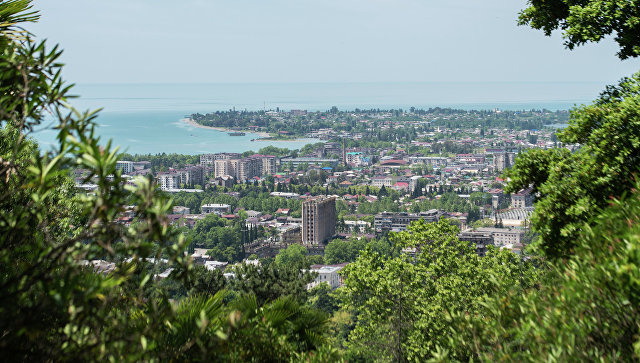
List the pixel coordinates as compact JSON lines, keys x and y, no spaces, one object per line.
{"x":346,"y":188}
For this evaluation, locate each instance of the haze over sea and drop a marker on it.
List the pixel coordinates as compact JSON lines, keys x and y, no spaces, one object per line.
{"x":146,"y":118}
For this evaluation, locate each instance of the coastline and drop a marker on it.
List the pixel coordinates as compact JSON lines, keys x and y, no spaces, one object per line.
{"x":263,"y":136}
{"x":191,"y":122}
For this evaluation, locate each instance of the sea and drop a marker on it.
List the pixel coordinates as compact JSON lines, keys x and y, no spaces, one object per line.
{"x":146,"y":118}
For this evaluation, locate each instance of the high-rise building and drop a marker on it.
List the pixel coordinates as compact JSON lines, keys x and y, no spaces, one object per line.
{"x":318,"y":220}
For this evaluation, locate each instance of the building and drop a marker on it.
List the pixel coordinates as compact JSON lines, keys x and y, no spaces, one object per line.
{"x":126,"y":167}
{"x":380,"y":181}
{"x":218,"y":209}
{"x":295,"y":162}
{"x":502,"y":161}
{"x":504,"y":236}
{"x":318,"y":220}
{"x":522,"y":199}
{"x":395,"y":222}
{"x":209,"y":159}
{"x":480,"y":239}
{"x":429,"y":160}
{"x":327,"y":274}
{"x":192,"y":175}
{"x":246,"y":168}
{"x":168,"y":181}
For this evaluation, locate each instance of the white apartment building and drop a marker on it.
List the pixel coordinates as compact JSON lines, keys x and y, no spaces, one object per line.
{"x":126,"y":167}
{"x":168,"y":181}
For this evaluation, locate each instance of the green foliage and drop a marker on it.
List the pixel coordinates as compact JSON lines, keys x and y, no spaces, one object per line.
{"x":573,"y":186}
{"x":587,"y":308}
{"x":293,"y":256}
{"x":339,"y":251}
{"x":402,"y":301}
{"x":206,"y":282}
{"x":53,"y":305}
{"x":583,"y":21}
{"x":270,"y":281}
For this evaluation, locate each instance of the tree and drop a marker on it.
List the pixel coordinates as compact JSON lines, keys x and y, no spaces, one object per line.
{"x":585,"y":310}
{"x":402,"y":302}
{"x":293,"y":256}
{"x":270,"y":281}
{"x":588,"y":21}
{"x":207,"y":282}
{"x":571,"y":187}
{"x":54,"y":304}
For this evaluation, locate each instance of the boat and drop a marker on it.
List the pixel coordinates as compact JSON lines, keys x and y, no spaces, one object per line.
{"x":236,"y":134}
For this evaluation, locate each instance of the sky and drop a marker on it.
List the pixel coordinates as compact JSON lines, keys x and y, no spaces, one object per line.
{"x":299,"y":41}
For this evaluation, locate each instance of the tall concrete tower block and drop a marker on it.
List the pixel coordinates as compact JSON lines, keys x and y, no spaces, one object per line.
{"x":318,"y":220}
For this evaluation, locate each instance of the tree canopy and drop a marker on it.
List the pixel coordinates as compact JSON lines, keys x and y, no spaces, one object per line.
{"x":583,"y":21}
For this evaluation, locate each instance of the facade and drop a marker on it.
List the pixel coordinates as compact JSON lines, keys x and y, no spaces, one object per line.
{"x":309,"y":161}
{"x":126,"y":167}
{"x":327,"y":274}
{"x":318,"y":220}
{"x":429,"y":160}
{"x":168,"y":181}
{"x":502,"y":161}
{"x":480,"y":239}
{"x":387,"y":221}
{"x":522,"y":199}
{"x":470,"y":158}
{"x":499,"y":237}
{"x":209,"y":159}
{"x":379,"y":181}
{"x":246,"y":168}
{"x":215,"y":208}
{"x":191,"y":175}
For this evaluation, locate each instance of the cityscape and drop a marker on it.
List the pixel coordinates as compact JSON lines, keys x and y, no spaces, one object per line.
{"x":335,"y":181}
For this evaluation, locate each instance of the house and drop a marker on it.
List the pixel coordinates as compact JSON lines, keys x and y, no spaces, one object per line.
{"x":327,"y":274}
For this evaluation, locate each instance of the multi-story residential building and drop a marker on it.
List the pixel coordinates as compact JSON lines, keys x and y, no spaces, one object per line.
{"x":215,"y":208}
{"x":502,"y":161}
{"x":309,"y":161}
{"x":395,"y":222}
{"x":318,"y":220}
{"x":268,"y":165}
{"x":209,"y":159}
{"x":354,"y":158}
{"x":168,"y":181}
{"x":522,"y":199}
{"x":126,"y":167}
{"x":481,"y":239}
{"x":191,"y":175}
{"x":224,"y":167}
{"x":246,"y":168}
{"x":470,"y":158}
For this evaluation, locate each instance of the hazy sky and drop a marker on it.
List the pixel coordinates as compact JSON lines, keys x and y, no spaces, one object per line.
{"x":220,"y":41}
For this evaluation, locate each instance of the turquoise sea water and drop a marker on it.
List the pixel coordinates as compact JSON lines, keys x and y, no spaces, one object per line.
{"x":145,"y":118}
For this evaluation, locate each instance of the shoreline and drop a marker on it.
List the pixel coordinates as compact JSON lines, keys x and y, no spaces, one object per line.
{"x":262,"y":136}
{"x":191,"y":122}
